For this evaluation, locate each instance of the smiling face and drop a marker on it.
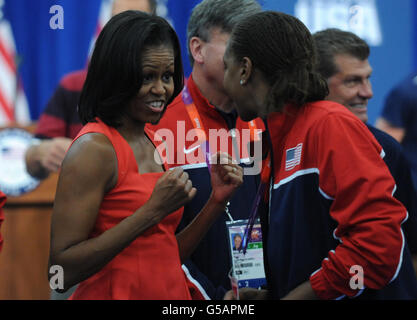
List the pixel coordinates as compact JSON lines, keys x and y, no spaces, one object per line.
{"x":351,"y":85}
{"x":157,"y":87}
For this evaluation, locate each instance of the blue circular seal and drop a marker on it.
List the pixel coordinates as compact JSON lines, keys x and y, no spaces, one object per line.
{"x":14,"y":179}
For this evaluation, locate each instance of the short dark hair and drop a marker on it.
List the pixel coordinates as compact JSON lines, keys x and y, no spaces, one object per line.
{"x":223,"y":14}
{"x":281,"y":47}
{"x":332,"y":42}
{"x":114,"y":75}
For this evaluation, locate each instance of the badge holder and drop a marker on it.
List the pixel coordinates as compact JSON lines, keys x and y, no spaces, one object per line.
{"x":247,"y":268}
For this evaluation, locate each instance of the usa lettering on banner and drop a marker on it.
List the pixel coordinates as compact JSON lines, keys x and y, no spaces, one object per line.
{"x":358,"y":16}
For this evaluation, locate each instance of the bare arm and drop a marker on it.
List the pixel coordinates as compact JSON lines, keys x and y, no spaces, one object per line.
{"x":46,"y":157}
{"x":396,"y":132}
{"x":303,"y":292}
{"x":88,"y":172}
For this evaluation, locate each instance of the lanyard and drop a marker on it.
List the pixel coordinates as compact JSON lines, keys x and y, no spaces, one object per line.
{"x":263,"y":187}
{"x":198,"y":123}
{"x":193,"y":114}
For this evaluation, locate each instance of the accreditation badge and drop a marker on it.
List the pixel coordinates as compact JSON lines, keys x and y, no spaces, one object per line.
{"x":247,"y":268}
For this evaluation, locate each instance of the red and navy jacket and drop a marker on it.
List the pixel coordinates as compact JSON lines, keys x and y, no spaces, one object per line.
{"x":210,"y":263}
{"x":60,"y":117}
{"x":331,"y":208}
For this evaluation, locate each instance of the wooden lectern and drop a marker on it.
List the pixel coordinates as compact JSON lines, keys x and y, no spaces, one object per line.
{"x":26,"y":233}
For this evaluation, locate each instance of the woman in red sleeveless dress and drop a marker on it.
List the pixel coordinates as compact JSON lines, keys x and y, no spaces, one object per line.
{"x":117,"y":207}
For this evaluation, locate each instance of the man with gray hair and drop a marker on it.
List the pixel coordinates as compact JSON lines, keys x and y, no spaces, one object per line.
{"x":205,"y":105}
{"x":343,"y":62}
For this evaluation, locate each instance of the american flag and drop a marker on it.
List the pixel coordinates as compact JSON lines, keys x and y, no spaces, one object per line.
{"x":14,"y":107}
{"x":293,"y":157}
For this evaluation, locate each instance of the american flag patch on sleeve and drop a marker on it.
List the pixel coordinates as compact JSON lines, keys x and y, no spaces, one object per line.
{"x":293,"y":157}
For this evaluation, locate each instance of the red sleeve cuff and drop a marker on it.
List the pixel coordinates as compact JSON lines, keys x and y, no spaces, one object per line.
{"x":322,"y":287}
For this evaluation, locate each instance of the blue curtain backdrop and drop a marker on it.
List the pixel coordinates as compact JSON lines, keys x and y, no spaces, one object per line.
{"x":46,"y":54}
{"x":414,"y":33}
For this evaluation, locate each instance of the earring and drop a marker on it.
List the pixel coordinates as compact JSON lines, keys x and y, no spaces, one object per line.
{"x":242,"y":82}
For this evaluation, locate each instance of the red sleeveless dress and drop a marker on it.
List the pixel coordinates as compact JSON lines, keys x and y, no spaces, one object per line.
{"x":150,"y":267}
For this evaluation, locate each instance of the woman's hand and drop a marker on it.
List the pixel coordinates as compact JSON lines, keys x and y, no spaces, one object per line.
{"x":247,"y":294}
{"x":226,"y":177}
{"x":303,"y":292}
{"x":172,"y":191}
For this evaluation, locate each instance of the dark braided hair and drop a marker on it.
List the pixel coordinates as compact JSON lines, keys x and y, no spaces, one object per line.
{"x":282,"y":48}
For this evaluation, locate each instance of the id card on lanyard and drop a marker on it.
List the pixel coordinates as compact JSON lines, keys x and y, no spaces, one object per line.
{"x":247,"y":268}
{"x":245,"y":237}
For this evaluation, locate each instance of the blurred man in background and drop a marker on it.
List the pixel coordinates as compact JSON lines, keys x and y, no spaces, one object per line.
{"x":399,"y":118}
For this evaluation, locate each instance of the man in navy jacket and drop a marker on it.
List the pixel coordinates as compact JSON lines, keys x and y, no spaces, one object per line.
{"x":343,"y":62}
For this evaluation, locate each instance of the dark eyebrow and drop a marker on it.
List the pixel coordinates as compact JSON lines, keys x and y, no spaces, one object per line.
{"x":153,"y":66}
